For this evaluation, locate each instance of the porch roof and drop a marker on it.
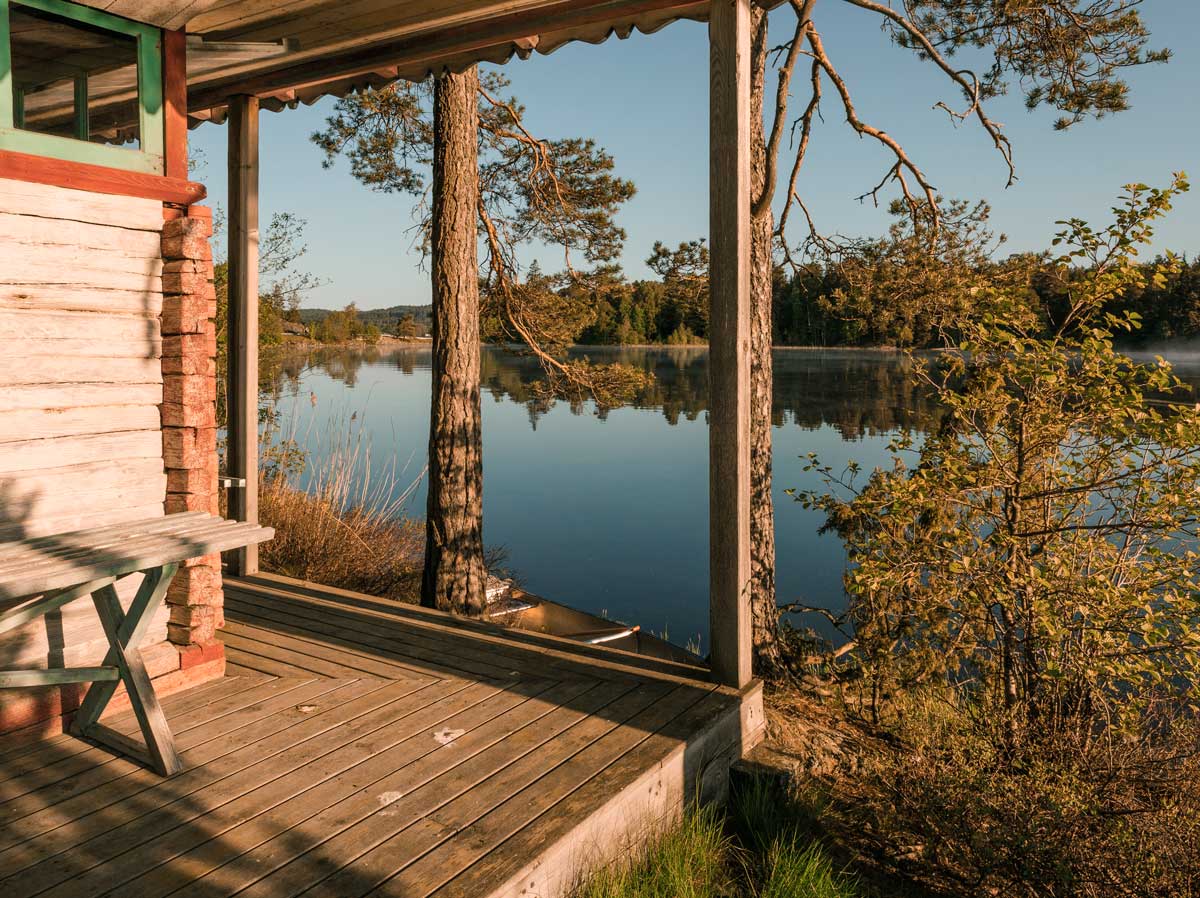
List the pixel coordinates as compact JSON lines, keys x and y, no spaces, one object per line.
{"x":300,"y":50}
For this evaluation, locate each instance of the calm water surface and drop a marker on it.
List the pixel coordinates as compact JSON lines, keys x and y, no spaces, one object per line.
{"x":609,"y":512}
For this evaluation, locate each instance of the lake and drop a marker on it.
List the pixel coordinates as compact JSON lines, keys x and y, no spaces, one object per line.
{"x":608,"y":511}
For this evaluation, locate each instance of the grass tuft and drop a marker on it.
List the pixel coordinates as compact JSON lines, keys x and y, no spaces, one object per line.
{"x":689,"y":860}
{"x":338,"y":524}
{"x":757,"y":848}
{"x":782,"y":859}
{"x":797,"y":870}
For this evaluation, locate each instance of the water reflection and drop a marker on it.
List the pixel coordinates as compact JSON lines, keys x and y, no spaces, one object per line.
{"x":857,"y":392}
{"x":608,"y":511}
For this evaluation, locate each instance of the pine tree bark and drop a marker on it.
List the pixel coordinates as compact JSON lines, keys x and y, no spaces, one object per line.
{"x":764,"y":609}
{"x":454,"y":578}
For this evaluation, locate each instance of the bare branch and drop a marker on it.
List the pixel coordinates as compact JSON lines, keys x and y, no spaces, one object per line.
{"x":805,"y":122}
{"x":803,"y":10}
{"x":903,"y":162}
{"x":965,"y":79}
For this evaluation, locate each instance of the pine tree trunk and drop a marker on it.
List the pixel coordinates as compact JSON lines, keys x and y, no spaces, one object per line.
{"x":454,"y":577}
{"x":764,"y":609}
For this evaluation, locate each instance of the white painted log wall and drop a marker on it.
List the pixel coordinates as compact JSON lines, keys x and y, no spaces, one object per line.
{"x":80,"y":386}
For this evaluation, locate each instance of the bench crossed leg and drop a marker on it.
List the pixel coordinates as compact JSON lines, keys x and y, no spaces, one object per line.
{"x":125,"y":631}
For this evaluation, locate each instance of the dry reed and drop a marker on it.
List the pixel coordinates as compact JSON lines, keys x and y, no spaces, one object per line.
{"x":338,"y":523}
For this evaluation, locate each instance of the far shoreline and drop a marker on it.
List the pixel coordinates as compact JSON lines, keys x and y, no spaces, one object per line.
{"x":386,"y":340}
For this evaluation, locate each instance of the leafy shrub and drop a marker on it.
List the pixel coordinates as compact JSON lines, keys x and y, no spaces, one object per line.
{"x":1074,"y":818}
{"x":1023,"y":600}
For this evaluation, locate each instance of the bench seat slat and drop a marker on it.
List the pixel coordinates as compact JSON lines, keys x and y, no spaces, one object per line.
{"x":30,"y":567}
{"x":94,"y":534}
{"x":25,"y":563}
{"x":173,"y":547}
{"x":17,"y":551}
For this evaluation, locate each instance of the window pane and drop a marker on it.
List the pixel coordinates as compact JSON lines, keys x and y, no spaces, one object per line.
{"x":73,"y":80}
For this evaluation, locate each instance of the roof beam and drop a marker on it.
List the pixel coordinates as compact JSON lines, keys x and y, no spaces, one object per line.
{"x":427,"y":51}
{"x":169,"y":14}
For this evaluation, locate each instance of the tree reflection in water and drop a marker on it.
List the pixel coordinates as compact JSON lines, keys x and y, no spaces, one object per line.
{"x":638,"y":552}
{"x":857,"y":392}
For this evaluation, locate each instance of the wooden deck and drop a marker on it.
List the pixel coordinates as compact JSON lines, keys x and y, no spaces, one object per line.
{"x":357,"y":748}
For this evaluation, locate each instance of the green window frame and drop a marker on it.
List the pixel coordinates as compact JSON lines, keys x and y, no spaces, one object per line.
{"x":149,"y":157}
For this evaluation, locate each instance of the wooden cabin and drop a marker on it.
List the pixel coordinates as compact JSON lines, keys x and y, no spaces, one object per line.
{"x":107,"y":414}
{"x":108,"y":371}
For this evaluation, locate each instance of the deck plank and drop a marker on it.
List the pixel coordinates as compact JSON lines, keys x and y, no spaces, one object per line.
{"x":358,"y":638}
{"x":79,"y":797}
{"x":358,"y":822}
{"x":230,"y":801}
{"x":398,"y":845}
{"x":263,"y":664}
{"x":41,"y":864}
{"x":396,"y":787}
{"x":247,"y":629}
{"x":197,"y":727}
{"x":66,"y":759}
{"x":358,"y":630}
{"x":413,"y":627}
{"x":511,"y":850}
{"x":306,"y":815}
{"x":486,"y":816}
{"x":240,"y":640}
{"x":34,"y":740}
{"x":491,"y":633}
{"x":233,"y":669}
{"x":362,"y":634}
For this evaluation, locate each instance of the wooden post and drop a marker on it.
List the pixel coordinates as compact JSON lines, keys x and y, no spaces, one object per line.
{"x":242,"y":402}
{"x":175,"y":145}
{"x":729,"y":342}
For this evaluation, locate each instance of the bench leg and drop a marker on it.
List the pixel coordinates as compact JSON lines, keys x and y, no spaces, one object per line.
{"x":125,"y":632}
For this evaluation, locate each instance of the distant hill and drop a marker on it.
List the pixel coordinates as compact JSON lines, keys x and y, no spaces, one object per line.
{"x":384,"y":319}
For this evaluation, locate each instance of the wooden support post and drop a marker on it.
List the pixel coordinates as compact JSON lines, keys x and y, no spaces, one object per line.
{"x":729,"y":342}
{"x":242,"y":403}
{"x":175,"y":141}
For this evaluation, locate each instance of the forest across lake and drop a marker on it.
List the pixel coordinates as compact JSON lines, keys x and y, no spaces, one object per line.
{"x":845,"y":305}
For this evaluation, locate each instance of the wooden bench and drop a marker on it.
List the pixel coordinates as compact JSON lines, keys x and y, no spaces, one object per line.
{"x":55,"y":570}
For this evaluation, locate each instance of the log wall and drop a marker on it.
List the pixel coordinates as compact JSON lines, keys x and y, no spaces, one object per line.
{"x":81,"y":386}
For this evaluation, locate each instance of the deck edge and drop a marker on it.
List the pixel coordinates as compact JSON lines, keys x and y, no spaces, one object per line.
{"x":630,"y":662}
{"x":698,"y":766}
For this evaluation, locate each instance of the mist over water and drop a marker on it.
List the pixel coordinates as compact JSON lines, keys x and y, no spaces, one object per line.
{"x":608,"y":512}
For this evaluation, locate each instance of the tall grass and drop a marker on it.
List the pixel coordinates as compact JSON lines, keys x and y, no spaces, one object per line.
{"x":689,"y":860}
{"x":338,"y":522}
{"x":782,"y":858}
{"x":758,"y":848}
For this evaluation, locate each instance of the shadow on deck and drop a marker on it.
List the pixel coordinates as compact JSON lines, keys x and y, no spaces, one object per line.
{"x":360,"y":748}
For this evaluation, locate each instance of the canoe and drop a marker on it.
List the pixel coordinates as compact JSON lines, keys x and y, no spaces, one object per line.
{"x":516,"y":608}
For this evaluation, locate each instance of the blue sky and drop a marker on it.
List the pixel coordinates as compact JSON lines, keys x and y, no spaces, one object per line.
{"x":646,"y":100}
